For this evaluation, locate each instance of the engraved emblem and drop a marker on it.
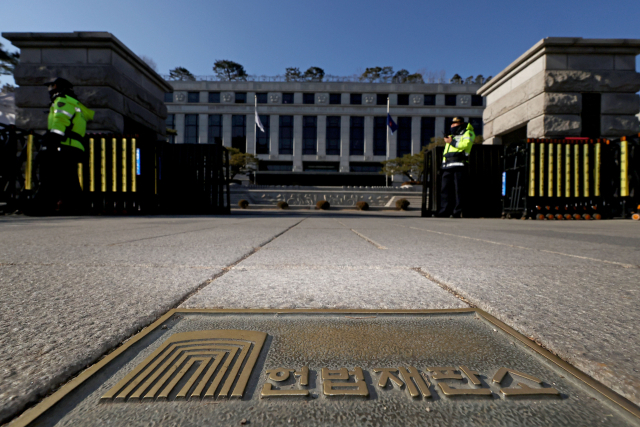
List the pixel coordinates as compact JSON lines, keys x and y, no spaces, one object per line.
{"x":209,"y":357}
{"x":274,"y":99}
{"x":465,"y":100}
{"x":416,"y":99}
{"x":322,"y":99}
{"x":180,"y":97}
{"x":226,"y":97}
{"x":368,"y":99}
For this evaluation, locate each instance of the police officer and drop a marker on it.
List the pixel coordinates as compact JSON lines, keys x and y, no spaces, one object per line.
{"x":455,"y":164}
{"x":64,"y":147}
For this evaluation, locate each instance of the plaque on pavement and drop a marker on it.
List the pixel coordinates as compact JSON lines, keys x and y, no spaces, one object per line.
{"x":331,"y":367}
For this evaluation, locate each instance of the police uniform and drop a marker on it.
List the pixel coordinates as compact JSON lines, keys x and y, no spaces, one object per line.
{"x":455,"y":164}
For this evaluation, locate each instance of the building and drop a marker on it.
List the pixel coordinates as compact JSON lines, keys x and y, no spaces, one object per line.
{"x":319,"y":133}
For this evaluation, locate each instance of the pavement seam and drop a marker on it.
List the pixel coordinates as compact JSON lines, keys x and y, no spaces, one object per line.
{"x":443,"y":286}
{"x":374,"y":243}
{"x":529,"y":249}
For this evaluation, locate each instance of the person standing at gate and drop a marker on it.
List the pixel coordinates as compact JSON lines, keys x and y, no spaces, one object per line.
{"x":64,"y":147}
{"x":455,"y":165}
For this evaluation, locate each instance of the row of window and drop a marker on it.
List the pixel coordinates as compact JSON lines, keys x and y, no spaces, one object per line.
{"x":334,"y":98}
{"x":310,"y":133}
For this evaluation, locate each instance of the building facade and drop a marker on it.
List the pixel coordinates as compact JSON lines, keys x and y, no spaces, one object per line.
{"x":319,"y":133}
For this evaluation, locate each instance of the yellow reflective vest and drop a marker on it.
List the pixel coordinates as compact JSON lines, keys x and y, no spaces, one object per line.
{"x":68,"y":117}
{"x":457,"y":153}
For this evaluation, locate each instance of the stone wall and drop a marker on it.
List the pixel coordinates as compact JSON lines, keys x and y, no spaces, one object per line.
{"x":543,"y":89}
{"x":127,"y":95}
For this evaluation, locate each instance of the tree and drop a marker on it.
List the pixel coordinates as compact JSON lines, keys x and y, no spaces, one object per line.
{"x":314,"y":74}
{"x":415,"y":78}
{"x":400,"y":76}
{"x":241,"y":162}
{"x":182,"y":74}
{"x":479,"y":79}
{"x":150,"y":62}
{"x":8,"y":61}
{"x":456,"y":79}
{"x":386,"y":74}
{"x":370,"y":74}
{"x":411,"y":166}
{"x":229,"y":70}
{"x":468,"y":80}
{"x":7,"y":88}
{"x":293,"y":74}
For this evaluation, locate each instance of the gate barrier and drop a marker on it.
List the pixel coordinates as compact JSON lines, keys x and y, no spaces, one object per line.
{"x":122,"y":174}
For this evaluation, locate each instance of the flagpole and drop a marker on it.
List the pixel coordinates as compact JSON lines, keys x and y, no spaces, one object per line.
{"x":255,"y":138}
{"x":387,"y":126}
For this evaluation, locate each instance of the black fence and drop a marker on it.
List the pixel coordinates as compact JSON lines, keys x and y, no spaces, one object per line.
{"x":484,"y":183}
{"x":122,"y":175}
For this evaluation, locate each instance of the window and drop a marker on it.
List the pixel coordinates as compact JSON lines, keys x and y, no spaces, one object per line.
{"x":321,"y":166}
{"x":193,"y":97}
{"x":404,"y":136}
{"x":262,"y":138}
{"x":333,"y":135}
{"x":261,"y":97}
{"x":427,"y":130}
{"x":241,"y":98}
{"x":287,"y":98}
{"x":214,"y":97}
{"x":275,"y":166}
{"x":356,"y":136}
{"x":309,"y":135}
{"x":168,"y":97}
{"x":215,"y":129}
{"x":365,"y":167}
{"x":379,"y":136}
{"x":335,"y":98}
{"x":476,"y":101}
{"x":477,"y":123}
{"x":308,"y":98}
{"x":356,"y":99}
{"x":381,"y":98}
{"x":170,"y":123}
{"x":403,"y":99}
{"x":429,"y":100}
{"x":239,"y":133}
{"x":449,"y":100}
{"x":190,"y":128}
{"x":286,"y":135}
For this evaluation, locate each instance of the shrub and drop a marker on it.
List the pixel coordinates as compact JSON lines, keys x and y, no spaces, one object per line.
{"x":323,"y":204}
{"x":402,"y":204}
{"x":283,"y":205}
{"x":362,"y":206}
{"x":243,"y":204}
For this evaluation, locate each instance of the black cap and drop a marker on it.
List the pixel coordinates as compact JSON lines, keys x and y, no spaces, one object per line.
{"x":60,"y":83}
{"x":457,"y":120}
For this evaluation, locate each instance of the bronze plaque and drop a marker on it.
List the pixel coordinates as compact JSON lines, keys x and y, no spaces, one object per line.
{"x":331,"y":367}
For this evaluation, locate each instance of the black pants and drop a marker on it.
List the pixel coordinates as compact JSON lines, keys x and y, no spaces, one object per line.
{"x":60,"y":189}
{"x":454,"y":186}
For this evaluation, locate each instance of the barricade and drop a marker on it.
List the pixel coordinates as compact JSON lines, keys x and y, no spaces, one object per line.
{"x":571,"y":178}
{"x":15,"y":148}
{"x":483,"y":186}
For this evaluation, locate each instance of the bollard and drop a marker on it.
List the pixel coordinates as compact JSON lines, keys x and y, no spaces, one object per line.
{"x":114,"y":187}
{"x":91,"y":166}
{"x":624,"y":167}
{"x":124,"y":165}
{"x":103,"y":165}
{"x":133,"y":165}
{"x":28,"y":171}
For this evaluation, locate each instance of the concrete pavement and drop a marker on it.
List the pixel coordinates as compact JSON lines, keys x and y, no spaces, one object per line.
{"x":75,"y":288}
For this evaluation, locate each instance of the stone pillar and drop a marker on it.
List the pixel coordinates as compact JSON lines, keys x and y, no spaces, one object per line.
{"x":393,"y":138}
{"x":274,"y":139}
{"x":439,"y":99}
{"x":180,"y":128}
{"x":415,"y":135}
{"x":250,"y":123}
{"x":368,"y":137}
{"x":126,"y":94}
{"x":439,"y":127}
{"x":226,"y":130}
{"x":546,"y":88}
{"x":345,"y":99}
{"x":345,"y":125}
{"x":203,"y":127}
{"x":297,"y":143}
{"x":297,"y":98}
{"x":322,"y":137}
{"x":393,"y":99}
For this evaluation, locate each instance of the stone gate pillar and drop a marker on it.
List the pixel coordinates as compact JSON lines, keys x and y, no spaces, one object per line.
{"x":560,"y":83}
{"x":126,"y":94}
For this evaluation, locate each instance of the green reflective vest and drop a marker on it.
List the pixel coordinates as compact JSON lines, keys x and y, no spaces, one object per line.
{"x":457,"y":153}
{"x":68,"y":117}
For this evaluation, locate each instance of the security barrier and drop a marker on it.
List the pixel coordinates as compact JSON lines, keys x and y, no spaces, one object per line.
{"x":570,"y":178}
{"x":121,"y":174}
{"x":483,"y":184}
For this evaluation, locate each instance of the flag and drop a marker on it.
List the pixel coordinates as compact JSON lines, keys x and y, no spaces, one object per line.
{"x":258,"y":122}
{"x":392,"y":125}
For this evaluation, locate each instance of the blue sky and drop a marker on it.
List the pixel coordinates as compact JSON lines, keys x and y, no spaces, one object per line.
{"x":342,"y":37}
